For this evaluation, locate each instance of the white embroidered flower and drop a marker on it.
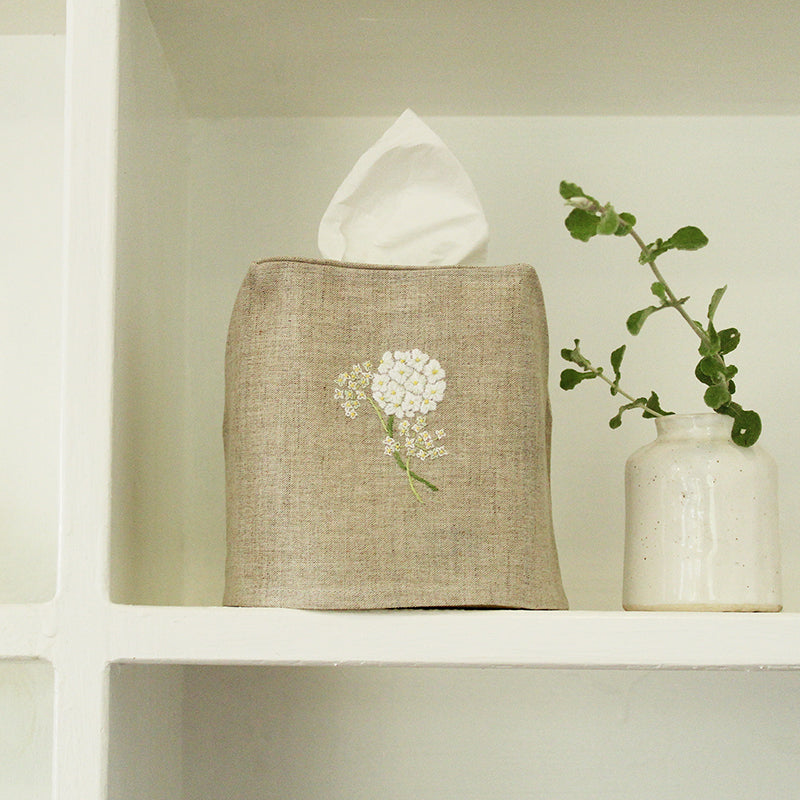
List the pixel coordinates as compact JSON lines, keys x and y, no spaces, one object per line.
{"x":407,"y":385}
{"x":427,"y":405}
{"x":394,"y":391}
{"x":390,"y":445}
{"x":400,"y":373}
{"x":379,"y":383}
{"x":435,"y":390}
{"x":418,"y":359}
{"x":433,"y":370}
{"x":387,"y":362}
{"x":394,"y":408}
{"x":415,"y":383}
{"x":350,"y":407}
{"x":411,"y":404}
{"x":407,"y":382}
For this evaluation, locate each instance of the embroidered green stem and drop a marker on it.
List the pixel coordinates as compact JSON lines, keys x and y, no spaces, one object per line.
{"x":405,"y":466}
{"x":388,"y":427}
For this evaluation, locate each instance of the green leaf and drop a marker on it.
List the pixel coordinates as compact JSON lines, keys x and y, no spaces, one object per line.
{"x":569,"y":190}
{"x":616,"y":364}
{"x":717,"y":395}
{"x":746,"y":428}
{"x":708,"y":370}
{"x":711,"y":345}
{"x":688,"y":238}
{"x":570,"y":378}
{"x":653,"y":407}
{"x":712,"y":306}
{"x":574,"y":356}
{"x":609,"y":221}
{"x":581,"y":224}
{"x":616,"y":420}
{"x":728,"y":340}
{"x":616,"y":361}
{"x":660,"y":291}
{"x":626,"y":222}
{"x":636,"y":320}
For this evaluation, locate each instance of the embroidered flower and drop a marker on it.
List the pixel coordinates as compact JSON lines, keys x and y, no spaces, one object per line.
{"x":407,"y":385}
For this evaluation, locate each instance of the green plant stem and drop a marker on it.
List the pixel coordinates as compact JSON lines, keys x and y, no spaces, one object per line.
{"x":673,"y":299}
{"x":600,"y":374}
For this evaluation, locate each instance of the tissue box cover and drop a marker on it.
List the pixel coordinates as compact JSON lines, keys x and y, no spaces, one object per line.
{"x":387,"y":438}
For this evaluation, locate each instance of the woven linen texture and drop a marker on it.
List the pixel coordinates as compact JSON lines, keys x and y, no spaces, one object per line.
{"x":322,"y":511}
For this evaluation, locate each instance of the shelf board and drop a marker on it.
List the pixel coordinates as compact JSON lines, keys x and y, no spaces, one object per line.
{"x":565,"y":639}
{"x":508,"y":57}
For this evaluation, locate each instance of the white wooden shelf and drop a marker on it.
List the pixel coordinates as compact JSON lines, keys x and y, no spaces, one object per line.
{"x":457,"y":638}
{"x":200,"y":136}
{"x":566,"y":639}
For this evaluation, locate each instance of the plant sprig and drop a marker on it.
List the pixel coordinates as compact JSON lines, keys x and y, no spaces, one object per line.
{"x":589,"y":218}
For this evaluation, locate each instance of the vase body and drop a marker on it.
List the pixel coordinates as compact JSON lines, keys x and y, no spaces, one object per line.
{"x":701,"y":526}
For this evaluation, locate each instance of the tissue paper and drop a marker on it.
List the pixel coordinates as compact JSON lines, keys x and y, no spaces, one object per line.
{"x":407,"y":201}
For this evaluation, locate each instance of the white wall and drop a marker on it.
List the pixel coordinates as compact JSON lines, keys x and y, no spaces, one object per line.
{"x":150,"y":424}
{"x":31,"y":163}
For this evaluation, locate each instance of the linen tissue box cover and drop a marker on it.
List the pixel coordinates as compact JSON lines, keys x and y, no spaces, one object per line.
{"x":387,"y":438}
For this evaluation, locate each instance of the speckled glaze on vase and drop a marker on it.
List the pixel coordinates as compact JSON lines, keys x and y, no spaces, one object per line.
{"x":701,"y":527}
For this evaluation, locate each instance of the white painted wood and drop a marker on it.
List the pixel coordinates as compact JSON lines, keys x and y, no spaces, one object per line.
{"x":164,"y":210}
{"x":453,"y":638}
{"x":78,"y":655}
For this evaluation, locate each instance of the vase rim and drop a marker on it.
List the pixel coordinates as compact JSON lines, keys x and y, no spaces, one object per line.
{"x":708,"y":423}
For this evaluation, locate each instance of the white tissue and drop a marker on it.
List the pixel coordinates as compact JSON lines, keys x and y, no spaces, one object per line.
{"x":407,"y":201}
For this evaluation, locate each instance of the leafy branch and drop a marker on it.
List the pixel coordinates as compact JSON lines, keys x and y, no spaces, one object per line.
{"x":589,"y":218}
{"x":570,"y":378}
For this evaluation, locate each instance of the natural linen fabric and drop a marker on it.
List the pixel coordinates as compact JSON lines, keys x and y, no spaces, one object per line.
{"x":321,"y":513}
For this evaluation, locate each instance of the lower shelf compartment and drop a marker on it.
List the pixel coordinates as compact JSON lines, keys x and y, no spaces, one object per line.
{"x":200,"y":732}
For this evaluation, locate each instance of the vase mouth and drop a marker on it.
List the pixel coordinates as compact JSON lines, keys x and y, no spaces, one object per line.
{"x":702,"y":424}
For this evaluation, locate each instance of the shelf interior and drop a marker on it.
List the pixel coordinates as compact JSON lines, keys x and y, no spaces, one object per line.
{"x":31,"y":155}
{"x":352,"y":58}
{"x":26,"y":729}
{"x":338,"y":732}
{"x":201,"y":197}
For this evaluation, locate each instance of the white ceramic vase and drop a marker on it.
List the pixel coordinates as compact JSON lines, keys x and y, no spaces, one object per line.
{"x":701,"y":528}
